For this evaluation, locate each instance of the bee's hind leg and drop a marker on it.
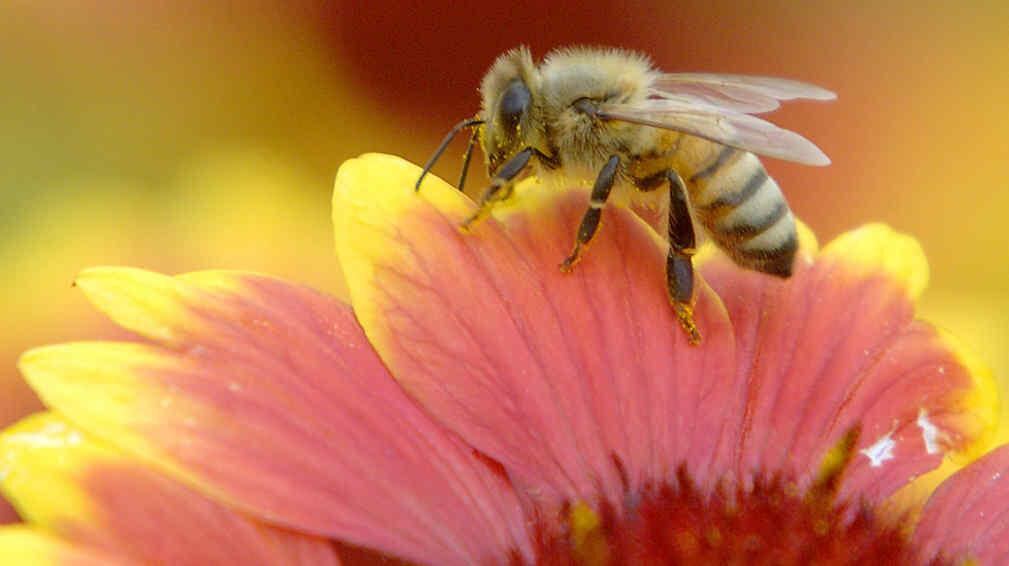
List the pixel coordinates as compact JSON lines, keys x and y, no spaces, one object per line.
{"x":679,"y":263}
{"x":590,"y":220}
{"x":500,"y":186}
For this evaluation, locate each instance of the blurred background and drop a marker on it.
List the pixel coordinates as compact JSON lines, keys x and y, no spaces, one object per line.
{"x":190,"y":135}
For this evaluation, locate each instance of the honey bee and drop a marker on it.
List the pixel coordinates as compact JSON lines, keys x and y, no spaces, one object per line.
{"x":688,"y":138}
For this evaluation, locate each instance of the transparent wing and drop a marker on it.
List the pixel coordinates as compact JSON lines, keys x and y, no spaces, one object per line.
{"x":741,"y":93}
{"x":719,"y":124}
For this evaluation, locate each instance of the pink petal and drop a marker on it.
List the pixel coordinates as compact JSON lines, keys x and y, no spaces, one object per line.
{"x":968,"y":516}
{"x":835,"y":347}
{"x":7,"y":513}
{"x":558,"y":376}
{"x":155,"y":519}
{"x":268,"y":397}
{"x":70,"y":484}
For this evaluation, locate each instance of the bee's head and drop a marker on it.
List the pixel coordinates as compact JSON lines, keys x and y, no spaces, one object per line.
{"x":510,"y":108}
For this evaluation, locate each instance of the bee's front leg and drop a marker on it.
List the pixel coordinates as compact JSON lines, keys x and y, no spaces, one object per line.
{"x":467,"y":123}
{"x":590,"y":220}
{"x":500,"y":186}
{"x":466,"y":158}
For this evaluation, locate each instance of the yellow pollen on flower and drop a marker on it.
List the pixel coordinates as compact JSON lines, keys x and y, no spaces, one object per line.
{"x":834,"y":463}
{"x":587,"y":539}
{"x":583,"y":521}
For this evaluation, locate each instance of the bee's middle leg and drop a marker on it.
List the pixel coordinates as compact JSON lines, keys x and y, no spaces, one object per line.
{"x":500,"y":186}
{"x":679,"y":262}
{"x":590,"y":220}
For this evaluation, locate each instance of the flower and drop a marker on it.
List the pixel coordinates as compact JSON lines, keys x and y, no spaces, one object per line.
{"x":472,"y":404}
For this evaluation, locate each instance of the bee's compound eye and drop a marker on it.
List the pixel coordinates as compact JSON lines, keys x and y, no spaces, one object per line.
{"x":514,"y":103}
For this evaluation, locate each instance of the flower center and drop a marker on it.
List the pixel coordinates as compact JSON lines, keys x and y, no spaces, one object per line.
{"x":770,"y":522}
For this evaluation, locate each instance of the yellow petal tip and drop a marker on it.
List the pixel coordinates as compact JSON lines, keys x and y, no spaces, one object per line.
{"x":139,"y":300}
{"x":91,"y":380}
{"x":808,"y":244}
{"x":41,"y":457}
{"x":21,"y":545}
{"x":373,"y":195}
{"x":878,"y":248}
{"x":376,"y":186}
{"x":40,"y":365}
{"x":982,"y":399}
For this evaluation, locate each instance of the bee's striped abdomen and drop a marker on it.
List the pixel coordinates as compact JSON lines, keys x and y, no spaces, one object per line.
{"x":744,"y":212}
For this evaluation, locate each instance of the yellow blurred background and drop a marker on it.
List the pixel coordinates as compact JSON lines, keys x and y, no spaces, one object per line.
{"x":190,"y":135}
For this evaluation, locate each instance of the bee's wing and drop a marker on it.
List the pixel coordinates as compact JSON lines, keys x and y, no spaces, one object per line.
{"x":720,"y":124}
{"x":742,"y":93}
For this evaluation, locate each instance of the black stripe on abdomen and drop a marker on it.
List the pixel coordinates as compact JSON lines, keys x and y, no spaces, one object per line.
{"x":775,"y":261}
{"x":723,"y":157}
{"x":751,"y":227}
{"x":733,"y":199}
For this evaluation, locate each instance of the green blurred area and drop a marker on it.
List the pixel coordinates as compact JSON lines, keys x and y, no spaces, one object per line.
{"x":188,"y":135}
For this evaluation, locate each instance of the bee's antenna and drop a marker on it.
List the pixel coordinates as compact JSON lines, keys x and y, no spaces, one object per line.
{"x":467,"y":123}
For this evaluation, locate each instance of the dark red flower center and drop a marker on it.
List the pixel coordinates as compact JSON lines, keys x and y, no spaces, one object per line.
{"x":772,"y":521}
{"x":769,"y":523}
